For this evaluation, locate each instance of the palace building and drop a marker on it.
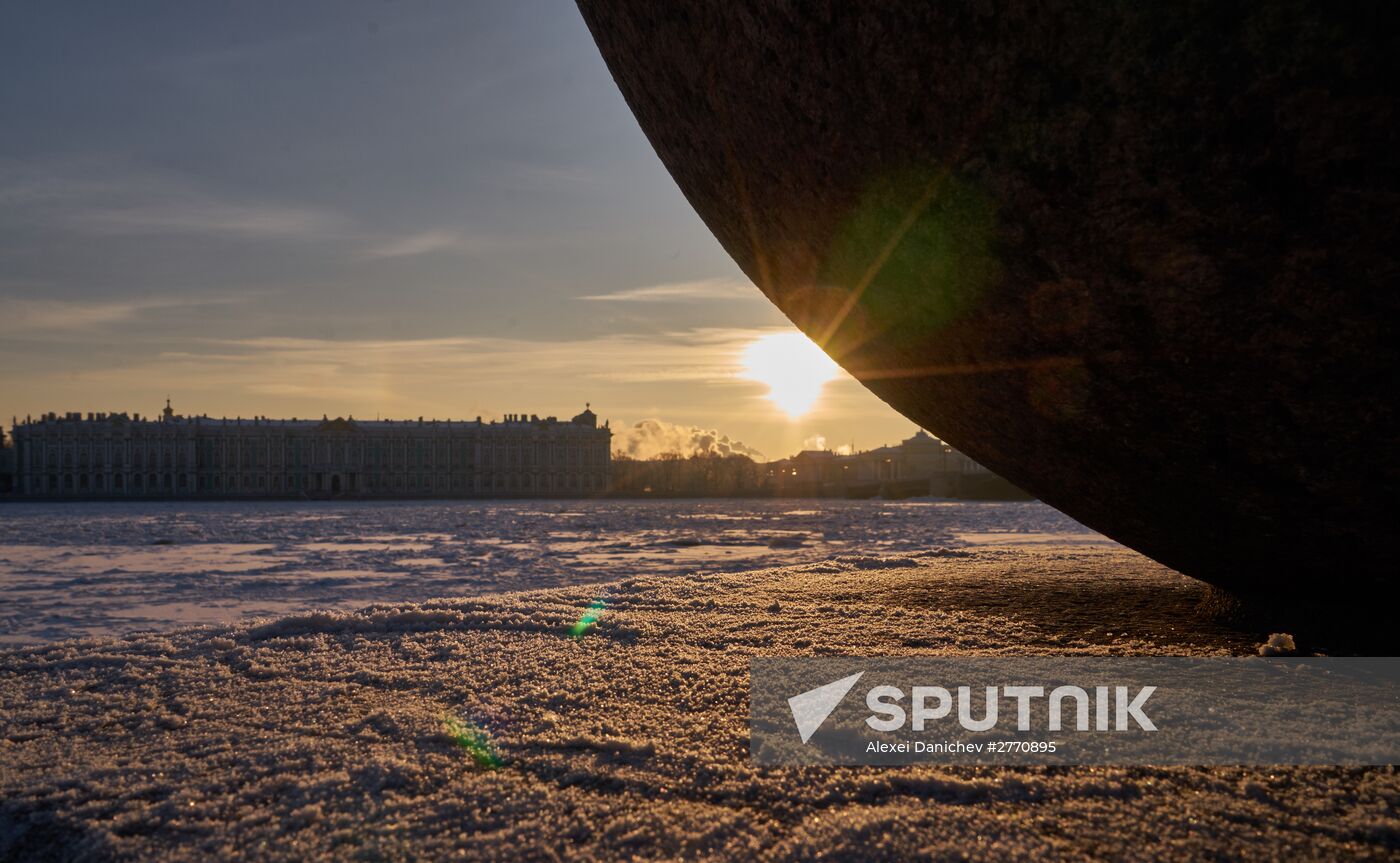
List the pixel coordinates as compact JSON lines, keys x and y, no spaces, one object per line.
{"x":119,"y":456}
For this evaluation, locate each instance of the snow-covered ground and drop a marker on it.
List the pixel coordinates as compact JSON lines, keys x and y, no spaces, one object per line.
{"x":84,"y":569}
{"x":505,"y":727}
{"x":568,"y":680}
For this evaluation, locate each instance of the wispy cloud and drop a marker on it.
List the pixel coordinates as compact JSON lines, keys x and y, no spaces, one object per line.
{"x":698,"y":356}
{"x":365,"y":375}
{"x":522,"y":174}
{"x":212,"y":218}
{"x":704,"y":289}
{"x":28,"y":316}
{"x":110,"y":198}
{"x":424,"y":242}
{"x":107,"y":199}
{"x":414,"y":244}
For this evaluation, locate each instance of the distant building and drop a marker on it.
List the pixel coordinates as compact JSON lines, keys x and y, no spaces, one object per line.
{"x":921,"y":465}
{"x":7,"y":464}
{"x":121,"y":456}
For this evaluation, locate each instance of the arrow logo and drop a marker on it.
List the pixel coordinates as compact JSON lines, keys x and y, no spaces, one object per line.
{"x":811,"y":708}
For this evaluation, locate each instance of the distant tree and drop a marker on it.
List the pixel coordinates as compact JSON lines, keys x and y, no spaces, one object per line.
{"x":702,"y":475}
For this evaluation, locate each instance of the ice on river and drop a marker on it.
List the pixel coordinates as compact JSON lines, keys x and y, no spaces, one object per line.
{"x":86,"y":569}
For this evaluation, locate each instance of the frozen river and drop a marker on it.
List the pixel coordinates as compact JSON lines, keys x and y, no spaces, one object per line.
{"x":85,"y":569}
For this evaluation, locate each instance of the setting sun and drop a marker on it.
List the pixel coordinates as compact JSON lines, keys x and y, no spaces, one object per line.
{"x":792,"y":366}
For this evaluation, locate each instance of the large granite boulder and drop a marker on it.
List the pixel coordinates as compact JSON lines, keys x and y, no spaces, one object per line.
{"x":1138,"y":258}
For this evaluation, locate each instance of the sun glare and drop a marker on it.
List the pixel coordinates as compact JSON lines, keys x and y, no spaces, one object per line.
{"x":792,"y":366}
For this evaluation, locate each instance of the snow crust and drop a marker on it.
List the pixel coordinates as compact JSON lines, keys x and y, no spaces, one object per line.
{"x":490,"y":727}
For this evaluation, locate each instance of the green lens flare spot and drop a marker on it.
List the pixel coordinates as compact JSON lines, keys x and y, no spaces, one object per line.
{"x":588,"y":620}
{"x":474,"y":740}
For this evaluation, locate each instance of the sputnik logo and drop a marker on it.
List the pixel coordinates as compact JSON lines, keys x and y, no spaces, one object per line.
{"x":811,"y":708}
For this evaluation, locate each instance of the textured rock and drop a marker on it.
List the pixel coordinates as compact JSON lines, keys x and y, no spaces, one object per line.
{"x":1137,"y":258}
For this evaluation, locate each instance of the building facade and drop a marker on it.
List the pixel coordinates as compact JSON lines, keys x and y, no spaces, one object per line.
{"x":121,"y":456}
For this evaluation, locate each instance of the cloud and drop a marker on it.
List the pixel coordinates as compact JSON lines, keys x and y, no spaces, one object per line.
{"x":111,"y":198}
{"x":700,"y":356}
{"x":653,"y":437}
{"x":705,"y":289}
{"x":447,"y":376}
{"x":207,"y":217}
{"x":27,"y":316}
{"x":415,"y":244}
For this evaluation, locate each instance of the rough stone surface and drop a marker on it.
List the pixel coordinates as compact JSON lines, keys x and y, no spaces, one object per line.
{"x":1137,"y":258}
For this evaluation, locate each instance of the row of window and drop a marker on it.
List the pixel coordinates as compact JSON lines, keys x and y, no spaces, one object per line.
{"x":371,"y":456}
{"x":311,"y":482}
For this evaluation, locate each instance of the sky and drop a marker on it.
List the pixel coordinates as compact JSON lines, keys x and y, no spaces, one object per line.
{"x":393,"y":209}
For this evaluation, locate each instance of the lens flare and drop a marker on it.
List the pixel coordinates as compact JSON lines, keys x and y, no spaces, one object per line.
{"x":793,"y":367}
{"x":588,"y":620}
{"x":474,"y":739}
